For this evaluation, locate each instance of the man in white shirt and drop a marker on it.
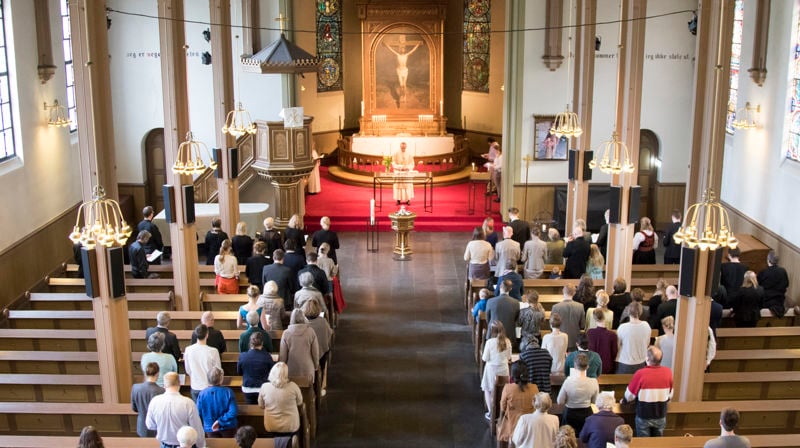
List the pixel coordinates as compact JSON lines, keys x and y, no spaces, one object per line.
{"x":198,"y":360}
{"x":505,"y":251}
{"x":170,"y":411}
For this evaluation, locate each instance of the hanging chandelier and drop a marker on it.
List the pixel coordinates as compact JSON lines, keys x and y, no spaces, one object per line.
{"x":746,"y":117}
{"x":189,"y":160}
{"x":708,"y":225}
{"x":103,"y":223}
{"x":238,"y":122}
{"x":567,"y":125}
{"x":57,"y":115}
{"x":616,"y":158}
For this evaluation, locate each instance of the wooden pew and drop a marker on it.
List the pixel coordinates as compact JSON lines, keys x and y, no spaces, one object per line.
{"x":163,"y":270}
{"x":65,"y":284}
{"x":765,"y":360}
{"x":181,"y":320}
{"x":79,"y":301}
{"x":758,"y":338}
{"x":121,"y":442}
{"x":767,"y":440}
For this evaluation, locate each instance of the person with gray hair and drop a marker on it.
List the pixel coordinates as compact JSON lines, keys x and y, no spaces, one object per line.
{"x":253,"y":328}
{"x":170,"y":340}
{"x":217,"y":407}
{"x":272,"y":307}
{"x":623,"y":436}
{"x":308,"y":292}
{"x":327,"y":264}
{"x":651,"y":389}
{"x":187,"y":437}
{"x":171,"y":411}
{"x":279,"y":398}
{"x":598,"y":430}
{"x":166,"y":363}
{"x":326,"y":235}
{"x":300,"y":348}
{"x":215,"y":338}
{"x":506,"y":251}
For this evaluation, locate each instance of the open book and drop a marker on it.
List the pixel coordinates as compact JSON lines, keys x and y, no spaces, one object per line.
{"x":153,"y":256}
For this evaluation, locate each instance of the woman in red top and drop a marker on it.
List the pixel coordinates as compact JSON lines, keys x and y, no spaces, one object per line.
{"x":645,"y":243}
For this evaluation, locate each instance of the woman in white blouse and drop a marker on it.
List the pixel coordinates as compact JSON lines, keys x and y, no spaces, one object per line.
{"x":227,"y":269}
{"x":478,"y":253}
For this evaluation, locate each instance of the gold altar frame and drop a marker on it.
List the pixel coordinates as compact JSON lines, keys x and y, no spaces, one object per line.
{"x":423,"y":20}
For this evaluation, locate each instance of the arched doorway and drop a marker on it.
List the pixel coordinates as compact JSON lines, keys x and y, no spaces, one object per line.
{"x":648,"y":171}
{"x":155,"y":167}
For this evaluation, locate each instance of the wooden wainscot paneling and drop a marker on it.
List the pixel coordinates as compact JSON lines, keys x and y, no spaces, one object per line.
{"x":789,"y":253}
{"x":667,"y":198}
{"x":138,"y":192}
{"x":540,"y":198}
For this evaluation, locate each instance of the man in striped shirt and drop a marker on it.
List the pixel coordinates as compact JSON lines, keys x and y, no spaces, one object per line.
{"x":651,"y":387}
{"x":538,"y":361}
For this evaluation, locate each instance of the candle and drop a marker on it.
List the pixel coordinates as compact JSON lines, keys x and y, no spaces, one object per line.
{"x":441,"y":107}
{"x":362,"y":108}
{"x":544,"y":228}
{"x":372,"y":212}
{"x":473,"y":166}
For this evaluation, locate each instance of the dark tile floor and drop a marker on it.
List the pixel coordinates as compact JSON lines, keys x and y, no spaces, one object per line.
{"x":403,"y":373}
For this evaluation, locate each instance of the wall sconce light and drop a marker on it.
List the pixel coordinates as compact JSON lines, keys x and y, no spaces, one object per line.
{"x":205,"y":58}
{"x":746,"y":117}
{"x":57,"y":115}
{"x":207,"y":34}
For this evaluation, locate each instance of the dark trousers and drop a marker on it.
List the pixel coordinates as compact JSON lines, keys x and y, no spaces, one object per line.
{"x":250,"y":397}
{"x":575,"y":417}
{"x":224,"y":434}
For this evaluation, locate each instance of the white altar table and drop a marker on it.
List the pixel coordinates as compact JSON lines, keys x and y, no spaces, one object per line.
{"x":416,"y":145}
{"x":252,"y":213}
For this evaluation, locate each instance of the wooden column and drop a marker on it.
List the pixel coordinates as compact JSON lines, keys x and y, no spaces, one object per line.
{"x":222,"y":73}
{"x":629,"y":108}
{"x":44,"y":42}
{"x":758,"y":72}
{"x":251,"y":36}
{"x":176,"y":125}
{"x":512,"y":100}
{"x":554,"y":13}
{"x":583,"y":91}
{"x":96,"y":147}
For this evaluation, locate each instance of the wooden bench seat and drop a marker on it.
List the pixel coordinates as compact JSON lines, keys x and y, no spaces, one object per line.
{"x":765,"y":440}
{"x":118,"y":442}
{"x":159,"y":301}
{"x":765,"y":360}
{"x":181,"y":320}
{"x":67,"y":284}
{"x":758,"y":338}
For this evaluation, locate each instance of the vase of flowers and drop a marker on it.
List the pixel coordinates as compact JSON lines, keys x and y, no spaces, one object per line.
{"x":387,"y":162}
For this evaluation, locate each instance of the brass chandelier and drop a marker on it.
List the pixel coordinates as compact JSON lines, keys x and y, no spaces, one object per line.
{"x":189,"y":160}
{"x":103,"y":223}
{"x":616,"y":158}
{"x":746,"y":117}
{"x":566,"y":124}
{"x":708,"y":225}
{"x":238,"y":122}
{"x":57,"y":115}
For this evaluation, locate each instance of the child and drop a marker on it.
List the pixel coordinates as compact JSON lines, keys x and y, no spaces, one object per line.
{"x":496,"y":355}
{"x":594,"y":267}
{"x":556,"y":344}
{"x":484,"y":295}
{"x":556,"y":273}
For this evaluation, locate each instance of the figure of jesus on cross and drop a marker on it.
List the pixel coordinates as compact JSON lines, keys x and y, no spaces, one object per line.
{"x":402,"y":55}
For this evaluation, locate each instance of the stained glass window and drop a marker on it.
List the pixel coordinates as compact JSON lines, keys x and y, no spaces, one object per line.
{"x":791,"y":141}
{"x":736,"y":62}
{"x":67,"y":43}
{"x":329,"y":45}
{"x":7,"y":150}
{"x":477,"y":36}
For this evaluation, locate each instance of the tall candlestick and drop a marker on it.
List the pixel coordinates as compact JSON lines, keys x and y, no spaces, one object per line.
{"x":441,"y":107}
{"x":362,"y":108}
{"x":372,"y":212}
{"x":465,"y":122}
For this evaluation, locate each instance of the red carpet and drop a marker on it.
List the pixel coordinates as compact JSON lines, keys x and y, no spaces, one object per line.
{"x":348,"y":208}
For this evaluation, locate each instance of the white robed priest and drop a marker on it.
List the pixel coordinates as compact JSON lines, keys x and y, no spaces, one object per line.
{"x":403,"y":163}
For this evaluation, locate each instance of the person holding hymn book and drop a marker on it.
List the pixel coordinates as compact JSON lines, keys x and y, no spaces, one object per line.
{"x":138,"y":256}
{"x":155,"y":246}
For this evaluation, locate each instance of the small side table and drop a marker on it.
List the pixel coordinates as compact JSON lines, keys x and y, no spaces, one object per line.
{"x":478,"y":178}
{"x":402,"y":224}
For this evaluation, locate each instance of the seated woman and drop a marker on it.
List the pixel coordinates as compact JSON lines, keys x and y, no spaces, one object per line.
{"x":300,"y":348}
{"x":279,"y":398}
{"x":251,"y":305}
{"x":578,"y":393}
{"x":166,"y":362}
{"x":477,"y":256}
{"x":515,"y":401}
{"x":537,"y":430}
{"x":216,"y":405}
{"x":227,"y":269}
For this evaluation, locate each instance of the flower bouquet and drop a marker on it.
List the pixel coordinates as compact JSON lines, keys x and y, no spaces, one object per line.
{"x":387,"y":162}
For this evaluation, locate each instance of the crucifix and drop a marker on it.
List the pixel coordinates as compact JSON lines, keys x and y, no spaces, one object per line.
{"x":282,"y":22}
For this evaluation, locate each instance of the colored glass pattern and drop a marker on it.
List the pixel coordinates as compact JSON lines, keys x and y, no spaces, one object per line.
{"x":477,"y":37}
{"x":329,"y":45}
{"x":7,"y":148}
{"x":791,"y":142}
{"x":736,"y":62}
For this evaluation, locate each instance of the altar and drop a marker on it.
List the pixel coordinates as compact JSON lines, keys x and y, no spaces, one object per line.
{"x":416,"y":145}
{"x":251,"y":213}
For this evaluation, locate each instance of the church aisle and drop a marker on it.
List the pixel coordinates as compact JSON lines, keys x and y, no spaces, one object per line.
{"x":403,"y":372}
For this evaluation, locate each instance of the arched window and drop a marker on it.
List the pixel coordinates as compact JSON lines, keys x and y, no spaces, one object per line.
{"x":7,"y":150}
{"x":736,"y":61}
{"x":67,"y":44}
{"x":791,"y":140}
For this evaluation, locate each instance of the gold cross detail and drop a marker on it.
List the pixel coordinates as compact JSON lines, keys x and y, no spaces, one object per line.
{"x":282,"y":22}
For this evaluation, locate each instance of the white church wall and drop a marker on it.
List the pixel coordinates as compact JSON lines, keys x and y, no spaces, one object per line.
{"x":44,"y":179}
{"x":666,"y":91}
{"x":757,"y":179}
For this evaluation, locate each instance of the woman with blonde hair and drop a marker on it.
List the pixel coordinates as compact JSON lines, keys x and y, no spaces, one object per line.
{"x":488,"y":231}
{"x":596,"y":263}
{"x":326,"y":235}
{"x":747,"y":302}
{"x":666,"y":342}
{"x":253,"y":294}
{"x":242,"y":243}
{"x":537,"y":430}
{"x":565,"y":438}
{"x":279,"y":398}
{"x":602,"y":303}
{"x":496,"y":355}
{"x":645,"y":243}
{"x":227,"y":269}
{"x":555,"y":247}
{"x":294,"y":231}
{"x":530,"y":320}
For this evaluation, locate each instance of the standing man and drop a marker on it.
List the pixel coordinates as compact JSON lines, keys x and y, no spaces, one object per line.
{"x":137,"y":252}
{"x":402,"y":163}
{"x":732,"y":272}
{"x":668,"y":308}
{"x":490,"y":156}
{"x":539,"y":363}
{"x":505,"y":309}
{"x":534,"y":253}
{"x":509,"y":273}
{"x":651,"y":388}
{"x":283,"y":276}
{"x":522,"y":231}
{"x":506,"y":251}
{"x":215,"y":338}
{"x":156,"y":242}
{"x":577,"y":254}
{"x":320,"y":279}
{"x":602,"y":237}
{"x":142,"y":394}
{"x":170,"y":411}
{"x":198,"y":360}
{"x":271,"y":236}
{"x":672,"y":250}
{"x":573,"y":317}
{"x":170,"y":340}
{"x":728,"y":421}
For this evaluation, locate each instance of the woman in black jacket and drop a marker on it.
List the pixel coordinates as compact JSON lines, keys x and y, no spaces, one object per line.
{"x":746,"y":303}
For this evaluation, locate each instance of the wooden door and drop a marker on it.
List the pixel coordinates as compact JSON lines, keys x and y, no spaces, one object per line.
{"x":156,"y":169}
{"x":648,"y":172}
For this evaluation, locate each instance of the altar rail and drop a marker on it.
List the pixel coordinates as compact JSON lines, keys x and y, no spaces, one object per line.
{"x":439,"y":164}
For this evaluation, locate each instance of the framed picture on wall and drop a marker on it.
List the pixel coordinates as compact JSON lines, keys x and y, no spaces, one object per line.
{"x":547,"y":146}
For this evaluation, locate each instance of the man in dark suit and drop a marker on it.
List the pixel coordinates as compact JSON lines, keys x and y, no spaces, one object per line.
{"x":505,"y":309}
{"x":293,"y":258}
{"x":155,"y":243}
{"x":522,"y":231}
{"x":170,"y":340}
{"x":137,"y":253}
{"x":509,"y":273}
{"x":672,"y":250}
{"x":577,"y":254}
{"x":602,"y":237}
{"x":215,"y":338}
{"x":271,"y":236}
{"x":320,"y":279}
{"x":732,"y":272}
{"x":283,"y":276}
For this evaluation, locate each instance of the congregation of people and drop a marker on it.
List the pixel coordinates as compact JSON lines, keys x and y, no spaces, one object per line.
{"x":592,"y":332}
{"x":289,"y":290}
